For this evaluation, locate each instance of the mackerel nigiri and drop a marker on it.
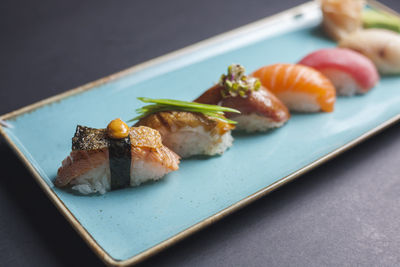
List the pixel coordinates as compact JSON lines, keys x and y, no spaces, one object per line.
{"x":259,"y":109}
{"x":349,"y":71}
{"x":103,"y":160}
{"x":188,"y":128}
{"x":299,"y":87}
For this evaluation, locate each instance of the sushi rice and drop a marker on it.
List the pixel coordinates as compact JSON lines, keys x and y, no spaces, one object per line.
{"x":189,"y":141}
{"x":256,"y":123}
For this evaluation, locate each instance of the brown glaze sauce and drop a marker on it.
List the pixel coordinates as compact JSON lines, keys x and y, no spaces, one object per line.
{"x":174,"y":120}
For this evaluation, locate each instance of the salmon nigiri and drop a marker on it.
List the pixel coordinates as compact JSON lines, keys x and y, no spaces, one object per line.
{"x":116,"y":157}
{"x":259,"y":109}
{"x":300,"y":88}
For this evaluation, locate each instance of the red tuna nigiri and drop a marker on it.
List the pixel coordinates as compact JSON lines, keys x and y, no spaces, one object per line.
{"x":349,"y":71}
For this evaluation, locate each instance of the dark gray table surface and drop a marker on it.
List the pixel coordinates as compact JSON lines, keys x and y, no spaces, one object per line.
{"x":344,"y":213}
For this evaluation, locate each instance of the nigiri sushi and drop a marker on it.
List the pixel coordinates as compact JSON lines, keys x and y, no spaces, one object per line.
{"x":341,"y":17}
{"x":299,"y":87}
{"x":105,"y":159}
{"x":349,"y":71}
{"x":259,"y":109}
{"x":380,"y":45}
{"x":188,"y":128}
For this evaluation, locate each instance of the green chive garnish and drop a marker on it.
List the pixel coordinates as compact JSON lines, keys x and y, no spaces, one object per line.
{"x":159,"y":105}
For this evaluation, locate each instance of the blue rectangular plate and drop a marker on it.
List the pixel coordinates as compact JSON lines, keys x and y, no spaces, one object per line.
{"x":126,"y":226}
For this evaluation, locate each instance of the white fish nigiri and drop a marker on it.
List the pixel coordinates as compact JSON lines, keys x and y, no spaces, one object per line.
{"x":380,"y":45}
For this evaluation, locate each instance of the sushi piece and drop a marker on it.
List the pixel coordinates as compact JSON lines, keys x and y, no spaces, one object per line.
{"x":350,"y":72}
{"x":380,"y":45}
{"x":300,"y":88}
{"x":189,"y":133}
{"x":341,"y":17}
{"x":188,"y":128}
{"x":105,"y":159}
{"x":259,"y":109}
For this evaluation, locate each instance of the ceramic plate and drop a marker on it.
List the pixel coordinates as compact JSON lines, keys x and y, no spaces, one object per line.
{"x":128,"y":225}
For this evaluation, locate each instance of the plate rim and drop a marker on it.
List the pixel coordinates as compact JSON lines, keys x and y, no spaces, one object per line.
{"x":86,"y":236}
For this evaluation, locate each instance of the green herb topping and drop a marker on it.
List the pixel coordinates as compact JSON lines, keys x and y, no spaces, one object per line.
{"x":159,"y":105}
{"x":237,"y":83}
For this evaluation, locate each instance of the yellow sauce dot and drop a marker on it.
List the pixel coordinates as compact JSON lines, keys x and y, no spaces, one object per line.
{"x":117,"y":129}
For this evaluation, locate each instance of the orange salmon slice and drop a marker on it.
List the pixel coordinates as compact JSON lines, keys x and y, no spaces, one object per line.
{"x":299,"y":87}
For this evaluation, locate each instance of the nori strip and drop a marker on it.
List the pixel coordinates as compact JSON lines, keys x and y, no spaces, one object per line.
{"x":119,"y":151}
{"x":120,"y":162}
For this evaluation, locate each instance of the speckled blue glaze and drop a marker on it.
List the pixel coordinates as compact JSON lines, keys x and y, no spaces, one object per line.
{"x":129,"y":221}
